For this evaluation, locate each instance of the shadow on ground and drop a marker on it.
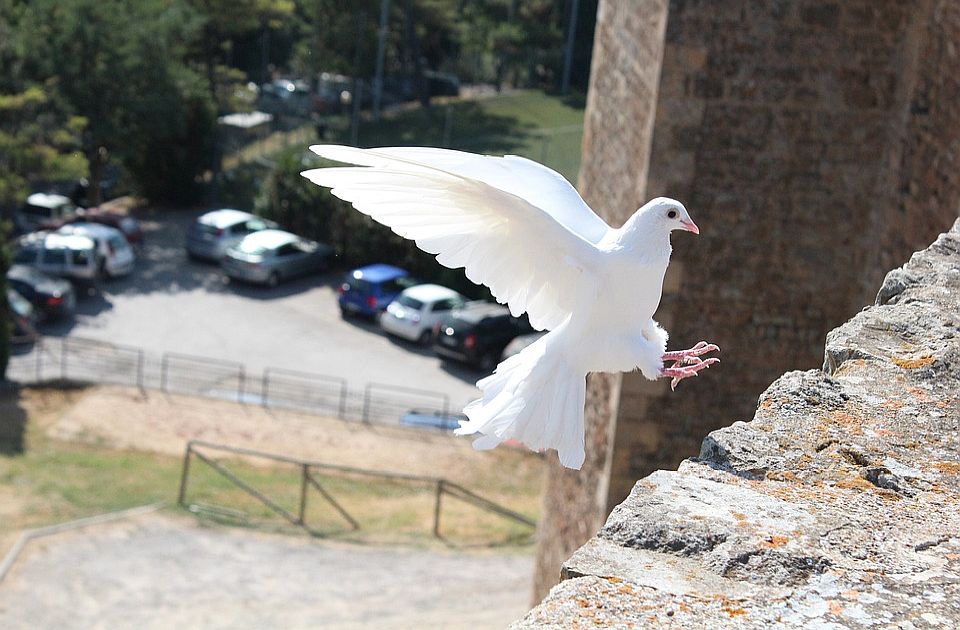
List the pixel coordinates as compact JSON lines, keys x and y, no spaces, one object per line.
{"x":13,"y":421}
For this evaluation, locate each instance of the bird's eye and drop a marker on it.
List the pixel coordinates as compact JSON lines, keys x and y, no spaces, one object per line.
{"x":672,"y":214}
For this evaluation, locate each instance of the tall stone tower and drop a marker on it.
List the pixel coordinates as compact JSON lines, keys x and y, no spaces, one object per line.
{"x":810,"y":140}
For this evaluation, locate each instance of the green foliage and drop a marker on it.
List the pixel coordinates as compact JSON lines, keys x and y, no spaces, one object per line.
{"x":245,"y":33}
{"x":39,"y":141}
{"x":118,"y":63}
{"x":6,"y":324}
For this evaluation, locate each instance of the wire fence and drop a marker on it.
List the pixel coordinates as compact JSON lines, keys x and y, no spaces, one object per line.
{"x":73,"y":359}
{"x":556,"y":147}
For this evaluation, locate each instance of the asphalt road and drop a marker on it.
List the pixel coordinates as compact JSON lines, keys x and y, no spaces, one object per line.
{"x":172,"y":304}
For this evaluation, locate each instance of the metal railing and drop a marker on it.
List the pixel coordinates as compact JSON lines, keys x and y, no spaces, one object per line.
{"x":89,"y":361}
{"x":309,"y":479}
{"x":187,"y":374}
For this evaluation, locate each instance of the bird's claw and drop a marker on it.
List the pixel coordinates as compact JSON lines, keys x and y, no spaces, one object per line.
{"x":701,"y":348}
{"x":687,"y":363}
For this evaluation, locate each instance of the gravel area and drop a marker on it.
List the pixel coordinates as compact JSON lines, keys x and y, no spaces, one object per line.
{"x":159,"y":571}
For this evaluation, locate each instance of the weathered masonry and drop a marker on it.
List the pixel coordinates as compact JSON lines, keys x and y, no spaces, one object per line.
{"x":815,"y":142}
{"x":837,"y":506}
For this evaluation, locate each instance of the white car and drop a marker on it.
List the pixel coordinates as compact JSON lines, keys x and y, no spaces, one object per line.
{"x":415,"y":311}
{"x":71,"y":256}
{"x":214,"y":232}
{"x":115,"y":257}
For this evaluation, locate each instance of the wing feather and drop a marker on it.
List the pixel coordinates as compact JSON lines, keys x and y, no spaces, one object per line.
{"x":530,"y":259}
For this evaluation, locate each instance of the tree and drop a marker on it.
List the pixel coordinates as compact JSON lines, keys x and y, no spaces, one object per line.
{"x":241,"y":35}
{"x":119,"y":64}
{"x":6,"y":323}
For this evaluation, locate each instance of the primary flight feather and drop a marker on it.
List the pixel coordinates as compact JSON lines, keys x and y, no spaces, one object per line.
{"x":522,"y":230}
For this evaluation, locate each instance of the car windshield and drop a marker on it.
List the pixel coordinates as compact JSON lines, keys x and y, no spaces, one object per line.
{"x":409,"y":302}
{"x":204,"y":228}
{"x":356,"y":284}
{"x":81,"y":257}
{"x":18,"y":303}
{"x":54,"y":256}
{"x":252,"y":249}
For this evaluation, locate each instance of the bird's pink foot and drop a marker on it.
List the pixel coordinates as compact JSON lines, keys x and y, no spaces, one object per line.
{"x":687,"y":363}
{"x":700,"y":349}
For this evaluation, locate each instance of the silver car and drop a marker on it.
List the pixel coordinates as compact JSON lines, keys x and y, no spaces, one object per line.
{"x":213,"y":233}
{"x":269,"y":256}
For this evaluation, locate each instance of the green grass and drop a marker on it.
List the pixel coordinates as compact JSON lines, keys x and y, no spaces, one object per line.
{"x":534,"y":124}
{"x":44,"y":481}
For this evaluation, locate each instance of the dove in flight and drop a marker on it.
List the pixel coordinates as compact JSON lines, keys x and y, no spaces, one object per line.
{"x":522,"y":230}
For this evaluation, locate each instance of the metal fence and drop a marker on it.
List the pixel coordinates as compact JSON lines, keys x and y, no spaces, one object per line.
{"x":90,"y":361}
{"x":310,"y":479}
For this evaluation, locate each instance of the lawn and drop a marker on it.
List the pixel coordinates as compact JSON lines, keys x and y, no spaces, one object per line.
{"x":45,"y":481}
{"x":534,"y":124}
{"x":542,"y":127}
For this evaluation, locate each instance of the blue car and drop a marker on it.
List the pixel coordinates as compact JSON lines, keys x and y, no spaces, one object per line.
{"x":368,"y":290}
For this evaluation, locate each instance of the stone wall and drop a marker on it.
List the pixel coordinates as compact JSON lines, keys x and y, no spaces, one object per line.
{"x":815,"y":144}
{"x":616,"y":148}
{"x":837,"y":506}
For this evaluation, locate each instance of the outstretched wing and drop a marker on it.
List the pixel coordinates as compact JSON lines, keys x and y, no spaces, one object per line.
{"x":530,"y":260}
{"x":529,"y":180}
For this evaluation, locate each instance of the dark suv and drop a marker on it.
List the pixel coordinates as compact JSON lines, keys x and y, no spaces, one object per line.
{"x":477,"y":334}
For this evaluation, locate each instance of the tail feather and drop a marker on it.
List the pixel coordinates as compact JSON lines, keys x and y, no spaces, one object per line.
{"x":534,"y":397}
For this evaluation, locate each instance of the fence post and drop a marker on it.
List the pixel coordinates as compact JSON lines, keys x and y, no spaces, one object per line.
{"x":140,"y":370}
{"x":63,"y":358}
{"x":343,"y":400}
{"x":265,"y":388}
{"x":39,"y":350}
{"x":543,"y":150}
{"x":303,"y":493}
{"x":186,"y":472}
{"x":446,"y":405}
{"x":163,"y":373}
{"x":436,"y":509}
{"x":366,"y":403}
{"x":240,"y":385}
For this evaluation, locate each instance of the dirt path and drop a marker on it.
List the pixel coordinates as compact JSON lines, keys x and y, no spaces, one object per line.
{"x":160,"y":571}
{"x":152,"y":421}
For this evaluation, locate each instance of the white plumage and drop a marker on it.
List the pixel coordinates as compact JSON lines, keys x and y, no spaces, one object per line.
{"x":522,"y":230}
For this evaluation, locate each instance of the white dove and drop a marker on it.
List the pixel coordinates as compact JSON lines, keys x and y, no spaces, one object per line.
{"x":521,"y":229}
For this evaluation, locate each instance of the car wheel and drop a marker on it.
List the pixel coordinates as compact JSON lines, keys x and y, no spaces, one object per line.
{"x":273,"y":279}
{"x":425,"y":338}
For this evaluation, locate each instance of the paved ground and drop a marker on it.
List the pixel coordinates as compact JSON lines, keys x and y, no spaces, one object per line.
{"x":171,"y":304}
{"x":163,"y":572}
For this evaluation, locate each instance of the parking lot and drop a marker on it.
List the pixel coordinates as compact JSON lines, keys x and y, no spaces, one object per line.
{"x":172,"y":304}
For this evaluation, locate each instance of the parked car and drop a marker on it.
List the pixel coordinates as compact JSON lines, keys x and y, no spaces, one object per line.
{"x":477,"y":334}
{"x":435,"y":419}
{"x":367,"y":290}
{"x":213,"y":233}
{"x":52,"y":298}
{"x":413,"y":314}
{"x":127,"y":225}
{"x":42,"y":209}
{"x":70,"y":256}
{"x":269,"y":256}
{"x":115,"y":257}
{"x":24,"y":330}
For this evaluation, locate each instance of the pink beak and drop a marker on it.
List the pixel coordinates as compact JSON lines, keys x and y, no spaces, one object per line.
{"x":690,"y":226}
